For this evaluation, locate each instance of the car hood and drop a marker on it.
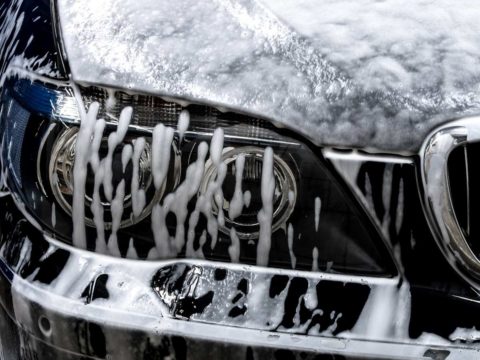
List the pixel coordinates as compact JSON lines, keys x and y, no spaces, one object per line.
{"x":364,"y":73}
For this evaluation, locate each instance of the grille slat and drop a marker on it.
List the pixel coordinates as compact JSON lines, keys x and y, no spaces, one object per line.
{"x":464,"y":178}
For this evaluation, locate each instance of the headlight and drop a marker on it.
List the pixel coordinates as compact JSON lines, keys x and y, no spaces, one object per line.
{"x":243,"y":185}
{"x":144,"y":177}
{"x":130,"y":161}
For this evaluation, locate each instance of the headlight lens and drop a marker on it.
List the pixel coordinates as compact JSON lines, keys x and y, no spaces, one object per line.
{"x":139,"y":182}
{"x":242,"y":199}
{"x":126,"y":165}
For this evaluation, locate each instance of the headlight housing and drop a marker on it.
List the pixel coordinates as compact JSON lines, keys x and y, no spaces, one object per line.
{"x":143,"y":177}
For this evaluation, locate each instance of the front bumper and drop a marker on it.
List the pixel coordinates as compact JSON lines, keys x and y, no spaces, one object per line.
{"x":59,"y":302}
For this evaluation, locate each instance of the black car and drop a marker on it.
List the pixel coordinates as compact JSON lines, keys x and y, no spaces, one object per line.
{"x":242,"y":179}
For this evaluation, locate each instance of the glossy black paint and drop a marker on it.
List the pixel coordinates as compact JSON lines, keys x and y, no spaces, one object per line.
{"x":97,"y":289}
{"x":90,"y":338}
{"x":37,"y":20}
{"x":441,"y":300}
{"x":438,"y":308}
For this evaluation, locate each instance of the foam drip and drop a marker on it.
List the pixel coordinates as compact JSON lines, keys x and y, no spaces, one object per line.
{"x":265,"y":215}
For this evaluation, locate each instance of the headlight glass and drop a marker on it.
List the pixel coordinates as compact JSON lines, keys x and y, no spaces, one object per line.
{"x":148,"y":178}
{"x":61,"y":177}
{"x":242,"y":198}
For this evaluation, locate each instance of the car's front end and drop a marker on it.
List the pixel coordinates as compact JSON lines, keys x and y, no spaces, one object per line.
{"x":198,"y":180}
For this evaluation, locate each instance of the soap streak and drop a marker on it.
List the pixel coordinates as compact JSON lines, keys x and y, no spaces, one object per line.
{"x":266,"y":213}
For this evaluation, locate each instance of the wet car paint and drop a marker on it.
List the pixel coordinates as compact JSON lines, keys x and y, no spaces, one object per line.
{"x":192,"y":292}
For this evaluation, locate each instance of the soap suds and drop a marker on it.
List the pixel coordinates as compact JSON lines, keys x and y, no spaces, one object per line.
{"x":131,"y":252}
{"x":388,"y":91}
{"x":82,"y":152}
{"x":315,"y":259}
{"x":213,"y":193}
{"x":164,"y":247}
{"x":216,"y":146}
{"x":127,"y":153}
{"x":54,"y":215}
{"x":138,"y":195}
{"x":98,"y":167}
{"x":318,"y":204}
{"x":234,"y":249}
{"x":111,"y":101}
{"x":265,"y":215}
{"x":291,"y":197}
{"x":114,"y":139}
{"x":97,"y":210}
{"x":237,"y":202}
{"x":117,"y":212}
{"x":161,"y":147}
{"x":177,"y":202}
{"x":386,"y":313}
{"x":400,"y":208}
{"x":183,"y":123}
{"x":96,"y":142}
{"x":467,"y":335}
{"x":293,"y":259}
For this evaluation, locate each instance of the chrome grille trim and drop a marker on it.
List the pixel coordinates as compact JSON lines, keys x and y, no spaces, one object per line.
{"x":437,"y":198}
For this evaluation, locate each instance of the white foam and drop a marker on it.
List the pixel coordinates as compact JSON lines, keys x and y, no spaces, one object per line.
{"x":201,"y":242}
{"x":116,"y":207}
{"x":204,"y":205}
{"x":315,"y":259}
{"x":237,"y":202}
{"x":216,"y":146}
{"x":161,"y":147}
{"x":318,"y":204}
{"x":153,"y":254}
{"x":177,"y":202}
{"x":369,"y":194}
{"x":160,"y":233}
{"x":400,"y":207}
{"x":127,"y":153}
{"x":311,"y":299}
{"x":293,"y":259}
{"x":111,"y":101}
{"x":386,"y":313}
{"x":131,"y":252}
{"x":213,"y":192}
{"x":308,"y":42}
{"x":96,"y":142}
{"x":138,"y":195}
{"x":114,"y":139}
{"x":387,"y":186}
{"x":14,"y":62}
{"x":234,"y":248}
{"x":291,"y":197}
{"x":183,"y":123}
{"x":265,"y":215}
{"x":82,"y":155}
{"x":97,"y":210}
{"x":196,"y":254}
{"x":463,"y":334}
{"x":98,"y":167}
{"x":203,"y":239}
